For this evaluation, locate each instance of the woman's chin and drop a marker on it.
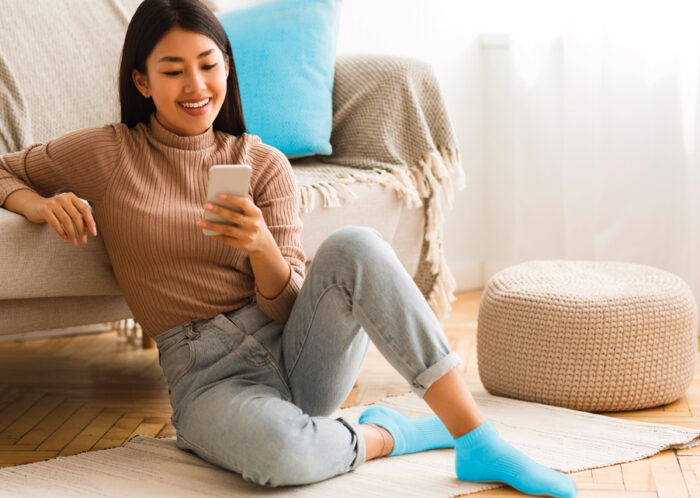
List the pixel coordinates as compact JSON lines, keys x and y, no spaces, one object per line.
{"x":197,"y":123}
{"x":183,"y":123}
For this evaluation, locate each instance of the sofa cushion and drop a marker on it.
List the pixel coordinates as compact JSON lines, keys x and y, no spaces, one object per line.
{"x":36,"y":263}
{"x":86,"y":270}
{"x":399,"y":225}
{"x":284,"y":53}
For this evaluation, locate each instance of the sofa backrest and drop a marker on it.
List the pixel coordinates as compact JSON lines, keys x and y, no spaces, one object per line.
{"x":59,"y":65}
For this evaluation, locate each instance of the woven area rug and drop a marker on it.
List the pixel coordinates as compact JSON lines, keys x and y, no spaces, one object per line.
{"x":564,"y":439}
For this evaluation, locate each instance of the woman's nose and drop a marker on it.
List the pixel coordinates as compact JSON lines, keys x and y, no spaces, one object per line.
{"x":195,"y":82}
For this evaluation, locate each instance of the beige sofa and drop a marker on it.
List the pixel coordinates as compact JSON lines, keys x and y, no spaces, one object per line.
{"x":64,"y":55}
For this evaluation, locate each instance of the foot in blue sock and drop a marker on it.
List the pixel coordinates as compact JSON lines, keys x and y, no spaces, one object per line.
{"x":410,"y":434}
{"x":483,"y":456}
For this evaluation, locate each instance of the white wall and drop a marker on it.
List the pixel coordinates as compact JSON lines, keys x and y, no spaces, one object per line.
{"x":444,"y":33}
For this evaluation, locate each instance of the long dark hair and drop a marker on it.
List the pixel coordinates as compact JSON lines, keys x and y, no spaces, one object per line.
{"x":150,"y":22}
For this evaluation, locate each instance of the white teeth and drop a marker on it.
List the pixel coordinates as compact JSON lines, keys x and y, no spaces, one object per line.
{"x":195,"y":104}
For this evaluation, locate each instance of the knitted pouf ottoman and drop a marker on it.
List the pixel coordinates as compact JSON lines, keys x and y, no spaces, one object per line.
{"x":591,"y":336}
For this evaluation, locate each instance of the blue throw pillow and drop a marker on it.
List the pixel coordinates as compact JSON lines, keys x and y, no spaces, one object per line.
{"x":284,"y":51}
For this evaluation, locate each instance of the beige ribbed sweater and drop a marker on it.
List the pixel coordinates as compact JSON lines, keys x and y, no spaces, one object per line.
{"x":147,"y":188}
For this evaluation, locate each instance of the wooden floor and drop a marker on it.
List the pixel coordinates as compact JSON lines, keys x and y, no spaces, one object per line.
{"x":67,"y":395}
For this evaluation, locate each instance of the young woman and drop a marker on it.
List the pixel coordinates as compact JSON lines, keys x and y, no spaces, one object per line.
{"x":255,"y":355}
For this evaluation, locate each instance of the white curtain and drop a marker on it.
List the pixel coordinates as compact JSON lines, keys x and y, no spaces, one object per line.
{"x":600,"y":157}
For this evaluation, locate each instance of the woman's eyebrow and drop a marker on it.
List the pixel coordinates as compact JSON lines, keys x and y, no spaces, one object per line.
{"x":170,"y":58}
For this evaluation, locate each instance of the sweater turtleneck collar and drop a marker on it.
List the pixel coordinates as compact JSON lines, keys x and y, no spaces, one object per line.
{"x":193,"y":142}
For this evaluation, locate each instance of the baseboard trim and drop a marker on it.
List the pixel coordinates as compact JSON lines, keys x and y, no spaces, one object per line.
{"x":468,"y":276}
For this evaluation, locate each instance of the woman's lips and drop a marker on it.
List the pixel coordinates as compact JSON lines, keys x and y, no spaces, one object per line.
{"x":195,"y":111}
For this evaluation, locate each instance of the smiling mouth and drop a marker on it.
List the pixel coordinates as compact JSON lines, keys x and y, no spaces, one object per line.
{"x":195,"y":105}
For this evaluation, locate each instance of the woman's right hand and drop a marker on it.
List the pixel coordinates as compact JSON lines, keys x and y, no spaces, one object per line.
{"x":62,"y":211}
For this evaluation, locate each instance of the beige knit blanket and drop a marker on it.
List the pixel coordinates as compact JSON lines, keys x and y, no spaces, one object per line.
{"x":390,"y":127}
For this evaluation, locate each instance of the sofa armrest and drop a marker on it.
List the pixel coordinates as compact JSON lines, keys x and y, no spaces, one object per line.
{"x":36,"y":263}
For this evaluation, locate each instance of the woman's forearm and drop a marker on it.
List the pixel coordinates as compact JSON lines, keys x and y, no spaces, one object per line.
{"x":271,"y":270}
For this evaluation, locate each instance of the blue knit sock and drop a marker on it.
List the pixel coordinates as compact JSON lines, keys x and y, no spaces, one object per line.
{"x":410,"y":434}
{"x":482,"y":456}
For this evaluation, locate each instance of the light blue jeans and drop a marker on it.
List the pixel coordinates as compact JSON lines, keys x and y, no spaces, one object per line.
{"x":253,"y":396}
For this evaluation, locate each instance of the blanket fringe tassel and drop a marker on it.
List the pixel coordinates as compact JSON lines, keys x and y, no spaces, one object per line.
{"x":433,"y":180}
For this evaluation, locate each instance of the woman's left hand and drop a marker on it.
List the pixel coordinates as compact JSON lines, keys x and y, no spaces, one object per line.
{"x":251,"y":234}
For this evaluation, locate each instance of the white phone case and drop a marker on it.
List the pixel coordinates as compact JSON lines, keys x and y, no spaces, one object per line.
{"x":225,"y":179}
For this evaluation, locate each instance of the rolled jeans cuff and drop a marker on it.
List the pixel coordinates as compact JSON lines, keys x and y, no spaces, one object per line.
{"x":359,"y":442}
{"x":424,"y":380}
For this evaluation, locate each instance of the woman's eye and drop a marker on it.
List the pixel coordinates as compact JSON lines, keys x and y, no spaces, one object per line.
{"x":206,"y":68}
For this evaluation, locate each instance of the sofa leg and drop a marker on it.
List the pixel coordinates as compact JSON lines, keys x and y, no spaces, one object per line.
{"x":147,"y":342}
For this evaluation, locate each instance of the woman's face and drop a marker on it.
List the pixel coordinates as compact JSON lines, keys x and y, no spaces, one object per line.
{"x":186,"y":77}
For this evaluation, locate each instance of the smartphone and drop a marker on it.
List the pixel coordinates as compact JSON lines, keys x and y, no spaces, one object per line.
{"x":225,"y":179}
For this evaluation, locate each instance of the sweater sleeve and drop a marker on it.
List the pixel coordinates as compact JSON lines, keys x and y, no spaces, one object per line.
{"x":278,"y":199}
{"x":81,"y":162}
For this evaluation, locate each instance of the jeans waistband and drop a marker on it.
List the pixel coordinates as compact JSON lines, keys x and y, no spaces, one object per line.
{"x":176,"y":334}
{"x":190,"y":329}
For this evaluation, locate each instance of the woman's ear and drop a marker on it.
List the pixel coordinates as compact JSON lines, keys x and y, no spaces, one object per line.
{"x":227,"y":66}
{"x":141,"y":82}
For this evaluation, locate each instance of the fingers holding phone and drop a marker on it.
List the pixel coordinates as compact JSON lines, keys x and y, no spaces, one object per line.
{"x":229,"y":179}
{"x":246,"y":228}
{"x":229,"y":215}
